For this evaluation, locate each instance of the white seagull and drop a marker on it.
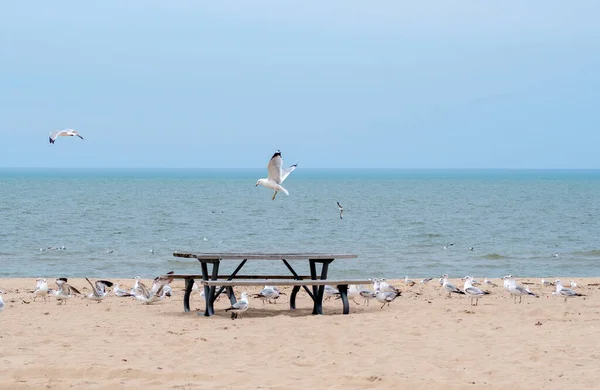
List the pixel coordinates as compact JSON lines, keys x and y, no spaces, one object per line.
{"x":546,"y":283}
{"x":99,"y":291}
{"x":366,"y":295}
{"x":515,"y":290}
{"x":353,"y":292}
{"x":268,"y":293}
{"x":119,"y":292}
{"x":341,"y":210}
{"x":330,"y":292}
{"x":63,"y":133}
{"x":155,"y":293}
{"x":276,"y":174}
{"x":449,"y":287}
{"x":41,"y":290}
{"x":564,"y":291}
{"x":573,"y":284}
{"x":64,"y":290}
{"x":1,"y":301}
{"x":408,"y":281}
{"x":386,"y":297}
{"x":489,"y":282}
{"x":473,"y":292}
{"x":239,"y":307}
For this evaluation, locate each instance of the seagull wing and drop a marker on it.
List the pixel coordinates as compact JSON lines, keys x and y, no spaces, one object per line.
{"x":95,"y":289}
{"x":274,"y":168}
{"x":101,"y":285}
{"x":70,"y":289}
{"x":286,"y":171}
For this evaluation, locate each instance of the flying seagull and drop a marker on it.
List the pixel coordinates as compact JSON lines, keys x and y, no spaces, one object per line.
{"x":276,"y":174}
{"x":341,"y":208}
{"x":99,"y":291}
{"x":63,"y":133}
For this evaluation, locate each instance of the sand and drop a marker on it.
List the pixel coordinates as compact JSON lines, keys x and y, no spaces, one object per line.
{"x":421,"y":341}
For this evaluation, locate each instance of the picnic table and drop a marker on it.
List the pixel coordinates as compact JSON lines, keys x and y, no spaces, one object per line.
{"x":317,"y":279}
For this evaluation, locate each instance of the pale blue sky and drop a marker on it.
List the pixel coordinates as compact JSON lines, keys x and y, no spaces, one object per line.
{"x":388,"y":84}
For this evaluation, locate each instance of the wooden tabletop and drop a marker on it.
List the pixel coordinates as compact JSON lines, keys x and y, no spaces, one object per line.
{"x":264,"y":256}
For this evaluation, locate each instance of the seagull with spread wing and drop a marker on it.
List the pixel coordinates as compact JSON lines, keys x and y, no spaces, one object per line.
{"x":341,"y":210}
{"x":276,"y":174}
{"x":63,"y":133}
{"x":156,"y":293}
{"x":64,"y":290}
{"x":99,"y":291}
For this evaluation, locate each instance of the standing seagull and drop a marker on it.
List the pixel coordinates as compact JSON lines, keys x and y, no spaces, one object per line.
{"x":41,"y":289}
{"x":449,"y":287}
{"x":63,"y":133}
{"x":473,"y":292}
{"x":341,"y":210}
{"x":565,"y":292}
{"x":276,"y":175}
{"x":239,"y":307}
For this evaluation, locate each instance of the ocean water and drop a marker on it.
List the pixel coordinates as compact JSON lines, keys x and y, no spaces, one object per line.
{"x":523,"y":222}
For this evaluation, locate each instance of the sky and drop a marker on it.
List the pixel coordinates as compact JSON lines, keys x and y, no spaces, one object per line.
{"x":332,"y":84}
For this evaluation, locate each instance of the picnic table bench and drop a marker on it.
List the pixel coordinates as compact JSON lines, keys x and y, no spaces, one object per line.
{"x":211,"y":280}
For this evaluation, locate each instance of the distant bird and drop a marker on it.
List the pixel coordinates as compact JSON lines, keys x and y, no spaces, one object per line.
{"x":448,"y":246}
{"x":152,"y":251}
{"x":119,"y":292}
{"x":555,"y":255}
{"x":471,"y":249}
{"x":239,"y":307}
{"x":64,"y":290}
{"x":426,"y":280}
{"x":565,"y":292}
{"x":408,"y":282}
{"x":545,"y":282}
{"x":41,"y":289}
{"x":473,"y":292}
{"x":449,"y":287}
{"x":341,"y":209}
{"x":63,"y":133}
{"x":99,"y":291}
{"x":489,"y":282}
{"x":276,"y":174}
{"x":109,"y":251}
{"x":573,"y":284}
{"x":386,"y":297}
{"x":268,"y":293}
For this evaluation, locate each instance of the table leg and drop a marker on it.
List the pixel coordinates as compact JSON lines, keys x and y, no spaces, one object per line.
{"x":231,"y":295}
{"x":189,"y":284}
{"x":208,"y":310}
{"x":213,"y":296}
{"x":293,"y":297}
{"x":343,"y":289}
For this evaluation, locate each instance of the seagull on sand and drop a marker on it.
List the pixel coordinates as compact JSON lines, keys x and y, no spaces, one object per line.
{"x":473,"y":292}
{"x":341,"y":210}
{"x":330,"y":291}
{"x":545,"y":282}
{"x":268,"y":293}
{"x":408,"y":282}
{"x":515,"y":290}
{"x":119,"y":292}
{"x":449,"y":287}
{"x":425,"y":280}
{"x":155,"y":293}
{"x":41,"y":290}
{"x":63,"y":133}
{"x":564,"y":291}
{"x":64,"y":290}
{"x":386,"y":297}
{"x":99,"y":291}
{"x":366,"y":294}
{"x":276,"y":174}
{"x":573,"y":284}
{"x":489,"y":282}
{"x":239,"y":307}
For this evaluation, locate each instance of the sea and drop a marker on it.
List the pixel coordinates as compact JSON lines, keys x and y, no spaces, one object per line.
{"x":416,"y":223}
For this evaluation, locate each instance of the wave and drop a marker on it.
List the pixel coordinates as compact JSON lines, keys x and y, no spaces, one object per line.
{"x":494,"y":256}
{"x":590,"y":253}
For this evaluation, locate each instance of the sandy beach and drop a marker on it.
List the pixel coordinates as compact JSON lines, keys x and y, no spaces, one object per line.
{"x":421,"y":341}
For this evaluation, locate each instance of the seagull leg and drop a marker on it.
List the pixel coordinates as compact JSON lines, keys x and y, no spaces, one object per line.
{"x":274,"y":195}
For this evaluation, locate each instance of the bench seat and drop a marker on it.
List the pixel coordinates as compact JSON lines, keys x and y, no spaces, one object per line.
{"x":273,"y":282}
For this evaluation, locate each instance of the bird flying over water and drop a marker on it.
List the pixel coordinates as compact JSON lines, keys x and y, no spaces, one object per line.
{"x":341,"y":210}
{"x":63,"y":133}
{"x":276,"y":174}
